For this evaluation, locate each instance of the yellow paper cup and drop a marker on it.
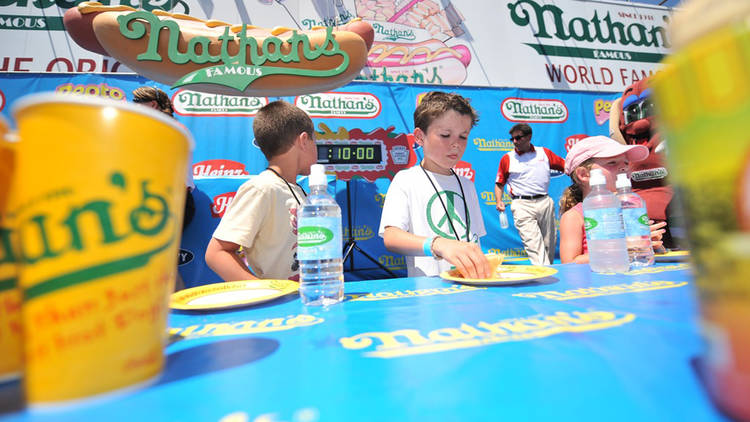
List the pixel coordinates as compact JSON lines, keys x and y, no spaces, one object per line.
{"x":100,"y":197}
{"x":703,"y":95}
{"x":10,"y":295}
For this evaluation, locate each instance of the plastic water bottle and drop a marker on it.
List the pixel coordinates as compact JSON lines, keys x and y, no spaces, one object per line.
{"x":319,"y":245}
{"x":637,"y":231}
{"x":503,"y":220}
{"x":605,"y":232}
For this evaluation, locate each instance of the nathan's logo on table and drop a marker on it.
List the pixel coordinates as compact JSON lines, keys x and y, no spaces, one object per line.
{"x":549,"y":21}
{"x":220,"y":204}
{"x":219,"y":168}
{"x":393,"y":33}
{"x":311,"y":236}
{"x":97,"y":223}
{"x":493,"y":144}
{"x":408,"y":342}
{"x":534,"y":111}
{"x":340,"y":105}
{"x":193,"y":103}
{"x":237,"y":71}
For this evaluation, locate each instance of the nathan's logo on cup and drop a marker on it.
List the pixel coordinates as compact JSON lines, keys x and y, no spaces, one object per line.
{"x":95,"y":223}
{"x":219,"y":168}
{"x":393,"y":32}
{"x":185,"y":257}
{"x":313,"y":236}
{"x":534,"y":111}
{"x":92,"y":90}
{"x":464,"y":169}
{"x":220,"y":204}
{"x":340,"y":105}
{"x":572,"y":139}
{"x":493,"y":144}
{"x":601,"y":110}
{"x":343,"y":17}
{"x":192,"y":103}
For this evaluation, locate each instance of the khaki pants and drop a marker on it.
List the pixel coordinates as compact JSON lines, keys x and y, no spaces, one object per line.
{"x":535,"y":222}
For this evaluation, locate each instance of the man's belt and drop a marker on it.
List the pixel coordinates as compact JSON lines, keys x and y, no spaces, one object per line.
{"x":541,"y":195}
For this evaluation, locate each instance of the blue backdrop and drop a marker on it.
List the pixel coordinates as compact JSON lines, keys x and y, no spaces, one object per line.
{"x":225,"y":155}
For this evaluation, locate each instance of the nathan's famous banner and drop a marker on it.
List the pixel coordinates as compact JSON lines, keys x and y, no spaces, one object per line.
{"x":537,"y":44}
{"x":371,"y":119}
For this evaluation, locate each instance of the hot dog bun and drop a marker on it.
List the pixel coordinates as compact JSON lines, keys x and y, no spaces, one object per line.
{"x":96,"y":28}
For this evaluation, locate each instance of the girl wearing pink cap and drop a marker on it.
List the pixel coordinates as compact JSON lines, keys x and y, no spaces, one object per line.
{"x":589,"y":153}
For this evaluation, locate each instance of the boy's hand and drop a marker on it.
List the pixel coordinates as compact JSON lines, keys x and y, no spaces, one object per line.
{"x":500,"y":205}
{"x":467,"y":257}
{"x":657,"y":231}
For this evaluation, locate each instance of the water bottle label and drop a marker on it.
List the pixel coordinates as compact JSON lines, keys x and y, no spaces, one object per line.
{"x":603,"y":224}
{"x":636,"y":222}
{"x":319,"y":238}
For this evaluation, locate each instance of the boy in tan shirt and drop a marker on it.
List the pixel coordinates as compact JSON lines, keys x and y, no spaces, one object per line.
{"x":262,"y":216}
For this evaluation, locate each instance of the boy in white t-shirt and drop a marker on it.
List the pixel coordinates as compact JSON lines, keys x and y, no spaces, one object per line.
{"x":262,"y":216}
{"x":431,"y":215}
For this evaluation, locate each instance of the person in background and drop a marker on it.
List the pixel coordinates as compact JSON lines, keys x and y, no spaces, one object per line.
{"x":430,"y":214}
{"x":159,"y":100}
{"x":595,"y":152}
{"x":526,"y":172}
{"x":262,"y":216}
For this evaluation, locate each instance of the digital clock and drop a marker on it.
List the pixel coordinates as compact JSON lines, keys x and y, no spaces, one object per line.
{"x":359,"y":153}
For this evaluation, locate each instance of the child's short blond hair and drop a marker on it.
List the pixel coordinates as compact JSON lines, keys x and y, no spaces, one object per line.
{"x":277,"y":125}
{"x":436,"y":103}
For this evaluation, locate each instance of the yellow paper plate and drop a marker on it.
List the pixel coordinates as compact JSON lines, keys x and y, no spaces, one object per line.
{"x":672,"y":256}
{"x":231,"y":294}
{"x":505,"y":274}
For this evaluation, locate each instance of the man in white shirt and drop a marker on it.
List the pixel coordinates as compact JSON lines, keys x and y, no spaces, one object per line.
{"x":526,"y":172}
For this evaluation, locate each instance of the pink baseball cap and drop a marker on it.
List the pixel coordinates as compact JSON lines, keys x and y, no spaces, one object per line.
{"x":601,"y":147}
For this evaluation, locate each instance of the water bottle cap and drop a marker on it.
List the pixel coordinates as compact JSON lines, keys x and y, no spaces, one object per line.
{"x":596,"y":177}
{"x":317,"y":175}
{"x":623,"y":181}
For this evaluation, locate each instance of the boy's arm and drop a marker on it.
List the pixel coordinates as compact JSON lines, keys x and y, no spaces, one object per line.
{"x":222,"y":258}
{"x":467,"y":257}
{"x":571,"y":238}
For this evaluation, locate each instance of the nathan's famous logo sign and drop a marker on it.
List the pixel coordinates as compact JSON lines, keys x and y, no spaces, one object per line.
{"x":212,"y":56}
{"x":393,"y":32}
{"x":548,"y":21}
{"x":530,"y":110}
{"x":340,"y":105}
{"x":194,"y":103}
{"x":408,"y":342}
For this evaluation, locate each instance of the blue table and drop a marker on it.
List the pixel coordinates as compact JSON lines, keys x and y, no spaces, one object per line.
{"x":574,"y":346}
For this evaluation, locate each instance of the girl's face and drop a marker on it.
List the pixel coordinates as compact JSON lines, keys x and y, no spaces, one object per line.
{"x":445,"y":141}
{"x":611,"y":167}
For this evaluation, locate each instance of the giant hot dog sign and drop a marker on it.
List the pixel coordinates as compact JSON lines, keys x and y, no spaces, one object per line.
{"x":216,"y":57}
